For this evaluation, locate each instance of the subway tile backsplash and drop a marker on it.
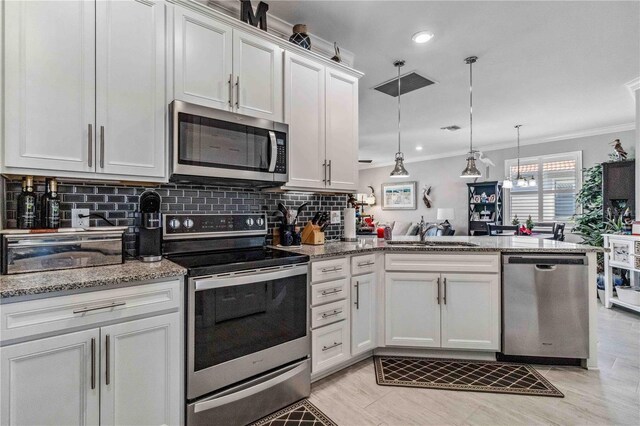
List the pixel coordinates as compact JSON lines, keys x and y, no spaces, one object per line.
{"x":119,"y":203}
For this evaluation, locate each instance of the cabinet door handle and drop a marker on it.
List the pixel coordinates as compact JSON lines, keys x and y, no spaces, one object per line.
{"x":238,"y":92}
{"x":444,"y":297}
{"x":95,"y":308}
{"x":90,"y":146}
{"x":326,"y":348}
{"x":332,"y":314}
{"x":107,"y":369}
{"x":102,"y":147}
{"x":324,"y":166}
{"x":93,"y":363}
{"x":334,"y":269}
{"x":329,"y":180}
{"x":438,"y":298}
{"x":357,"y":294}
{"x":360,"y":265}
{"x":328,"y":293}
{"x":230,"y":90}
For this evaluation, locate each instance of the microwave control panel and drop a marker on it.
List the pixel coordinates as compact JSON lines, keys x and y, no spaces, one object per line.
{"x":281,"y":160}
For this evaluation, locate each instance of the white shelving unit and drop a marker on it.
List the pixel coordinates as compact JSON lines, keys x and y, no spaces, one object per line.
{"x":624,"y":253}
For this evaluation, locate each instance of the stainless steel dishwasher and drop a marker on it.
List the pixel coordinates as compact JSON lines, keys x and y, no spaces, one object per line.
{"x":545,"y":305}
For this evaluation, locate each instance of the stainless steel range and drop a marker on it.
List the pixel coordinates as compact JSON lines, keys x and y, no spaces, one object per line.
{"x":247,"y":335}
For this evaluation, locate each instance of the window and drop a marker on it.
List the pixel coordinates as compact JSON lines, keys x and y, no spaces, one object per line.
{"x":558,"y":179}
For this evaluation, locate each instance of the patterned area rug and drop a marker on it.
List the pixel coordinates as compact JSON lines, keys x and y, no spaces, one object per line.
{"x":479,"y":376}
{"x":301,"y":413}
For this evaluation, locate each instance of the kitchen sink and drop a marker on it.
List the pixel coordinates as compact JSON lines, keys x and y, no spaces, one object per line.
{"x":432,"y":243}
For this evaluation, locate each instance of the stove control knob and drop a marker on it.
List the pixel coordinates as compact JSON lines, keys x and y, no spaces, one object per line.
{"x":174,"y":223}
{"x":260,"y":221}
{"x":188,"y":223}
{"x":249,"y":221}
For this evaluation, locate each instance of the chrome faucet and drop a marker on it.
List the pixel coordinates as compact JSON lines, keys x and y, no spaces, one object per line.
{"x":422,"y":228}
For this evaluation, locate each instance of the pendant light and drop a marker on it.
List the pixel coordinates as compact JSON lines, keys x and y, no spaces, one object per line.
{"x":399,"y":171}
{"x":471,"y":171}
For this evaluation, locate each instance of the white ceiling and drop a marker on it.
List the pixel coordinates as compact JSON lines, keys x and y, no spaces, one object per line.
{"x":555,"y":67}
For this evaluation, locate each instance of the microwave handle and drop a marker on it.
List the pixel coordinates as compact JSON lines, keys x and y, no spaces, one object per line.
{"x":274,"y":151}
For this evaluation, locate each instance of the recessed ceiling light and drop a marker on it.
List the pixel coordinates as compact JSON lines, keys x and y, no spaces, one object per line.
{"x":422,"y":37}
{"x":418,"y":148}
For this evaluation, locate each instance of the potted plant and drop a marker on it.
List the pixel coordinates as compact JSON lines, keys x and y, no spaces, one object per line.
{"x":589,"y":224}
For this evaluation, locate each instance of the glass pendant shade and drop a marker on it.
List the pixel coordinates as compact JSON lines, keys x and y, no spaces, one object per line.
{"x":471,"y":171}
{"x":521,"y":182}
{"x":507,"y":184}
{"x":532,"y":181}
{"x":399,"y":171}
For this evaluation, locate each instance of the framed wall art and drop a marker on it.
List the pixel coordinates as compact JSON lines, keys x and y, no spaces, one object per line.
{"x":399,"y":196}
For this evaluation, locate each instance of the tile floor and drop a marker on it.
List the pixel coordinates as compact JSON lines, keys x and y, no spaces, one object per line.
{"x":608,"y":396}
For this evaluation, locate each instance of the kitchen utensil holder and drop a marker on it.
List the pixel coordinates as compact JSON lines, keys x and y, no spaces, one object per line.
{"x":312,"y":235}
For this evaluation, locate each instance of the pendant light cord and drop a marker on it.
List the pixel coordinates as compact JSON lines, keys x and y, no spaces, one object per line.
{"x":399,"y":109}
{"x":471,"y":108}
{"x":517,"y":126}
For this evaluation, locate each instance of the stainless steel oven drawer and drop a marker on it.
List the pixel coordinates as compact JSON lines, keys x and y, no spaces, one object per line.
{"x":254,"y":399}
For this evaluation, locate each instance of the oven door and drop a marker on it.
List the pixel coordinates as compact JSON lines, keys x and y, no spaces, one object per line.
{"x":245,"y":323}
{"x":220,"y":144}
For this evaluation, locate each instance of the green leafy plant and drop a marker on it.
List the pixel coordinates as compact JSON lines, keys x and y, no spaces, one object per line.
{"x":529,"y":223}
{"x":589,"y":224}
{"x":515,"y":221}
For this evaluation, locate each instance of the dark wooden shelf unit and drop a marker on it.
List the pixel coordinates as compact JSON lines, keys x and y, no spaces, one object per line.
{"x":496,"y":208}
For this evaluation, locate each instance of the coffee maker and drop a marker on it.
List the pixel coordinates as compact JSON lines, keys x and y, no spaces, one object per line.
{"x":149,"y":241}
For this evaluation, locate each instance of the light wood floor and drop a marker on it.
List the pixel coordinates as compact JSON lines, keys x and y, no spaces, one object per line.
{"x":608,"y":396}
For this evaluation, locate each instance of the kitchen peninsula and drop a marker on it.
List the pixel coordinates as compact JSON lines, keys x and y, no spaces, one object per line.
{"x":443,"y":297}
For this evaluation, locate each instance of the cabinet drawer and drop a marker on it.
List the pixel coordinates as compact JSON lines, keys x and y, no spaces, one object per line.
{"x":330,"y":313}
{"x":329,"y":346}
{"x":61,"y":314}
{"x":408,"y":262}
{"x":332,"y":269}
{"x":363,"y":264}
{"x":329,"y":292}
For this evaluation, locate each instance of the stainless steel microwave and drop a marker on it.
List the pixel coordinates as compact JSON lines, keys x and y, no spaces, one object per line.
{"x":215,"y":146}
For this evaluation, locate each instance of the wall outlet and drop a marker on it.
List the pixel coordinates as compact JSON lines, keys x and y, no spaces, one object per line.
{"x":77,"y":221}
{"x":335,"y":217}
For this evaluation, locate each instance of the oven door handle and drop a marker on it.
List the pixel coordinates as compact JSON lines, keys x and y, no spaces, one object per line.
{"x":258,"y":276}
{"x":245,"y":393}
{"x":274,"y":151}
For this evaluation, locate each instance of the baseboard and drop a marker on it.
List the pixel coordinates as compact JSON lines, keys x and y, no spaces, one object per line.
{"x":436,"y":353}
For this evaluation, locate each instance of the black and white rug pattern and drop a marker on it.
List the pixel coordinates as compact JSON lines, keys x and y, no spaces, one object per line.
{"x":463,"y":375}
{"x":302,"y":413}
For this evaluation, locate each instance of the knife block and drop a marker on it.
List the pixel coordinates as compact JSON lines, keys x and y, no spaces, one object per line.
{"x":312,"y":235}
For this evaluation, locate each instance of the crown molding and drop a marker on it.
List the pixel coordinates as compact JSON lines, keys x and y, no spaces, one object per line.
{"x":494,"y":147}
{"x":281,"y":28}
{"x":633,"y":86}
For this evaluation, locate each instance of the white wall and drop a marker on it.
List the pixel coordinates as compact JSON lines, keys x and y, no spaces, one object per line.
{"x":449,"y":190}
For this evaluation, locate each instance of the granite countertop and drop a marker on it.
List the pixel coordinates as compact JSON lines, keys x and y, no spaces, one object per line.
{"x":71,"y":279}
{"x":484,"y":244}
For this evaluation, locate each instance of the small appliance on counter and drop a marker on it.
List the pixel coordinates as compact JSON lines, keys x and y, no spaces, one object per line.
{"x":34,"y":251}
{"x":149,"y":238}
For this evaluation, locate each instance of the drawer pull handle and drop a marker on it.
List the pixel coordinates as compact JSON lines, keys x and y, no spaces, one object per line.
{"x":328,"y":293}
{"x":334,"y":269}
{"x":333,"y":314}
{"x":95,"y":308}
{"x":360,"y":265}
{"x":326,"y":348}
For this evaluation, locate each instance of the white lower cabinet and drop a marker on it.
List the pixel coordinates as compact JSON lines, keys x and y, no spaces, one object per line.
{"x":412,"y":311}
{"x":452,"y":311}
{"x":471,"y":311}
{"x":51,"y":381}
{"x":363,"y":313}
{"x":127,"y":373}
{"x":329,"y":346}
{"x":140,"y":383}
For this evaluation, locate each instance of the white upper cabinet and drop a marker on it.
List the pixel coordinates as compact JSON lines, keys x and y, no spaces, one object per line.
{"x":52,"y":381}
{"x":471,"y":311}
{"x":131,"y":99}
{"x":257,"y":67}
{"x":304,"y":94}
{"x":412,"y":314}
{"x":49,"y":87}
{"x":203,"y":60}
{"x":342,"y":130}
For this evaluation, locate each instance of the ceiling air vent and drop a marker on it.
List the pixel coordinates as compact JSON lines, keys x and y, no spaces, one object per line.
{"x":450,"y":128}
{"x":409,"y":82}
